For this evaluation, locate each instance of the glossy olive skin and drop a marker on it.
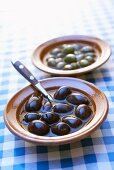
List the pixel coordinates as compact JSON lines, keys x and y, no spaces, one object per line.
{"x":55,"y":51}
{"x":83,"y":112}
{"x":87,"y":49}
{"x":50,"y":118}
{"x":58,"y":55}
{"x":84,"y":63}
{"x":71,"y":56}
{"x":59,"y":60}
{"x":92,"y":54}
{"x":72,"y":121}
{"x":47,"y":107}
{"x":33,"y":104}
{"x":51,"y":62}
{"x":68,"y":49}
{"x":75,"y":65}
{"x":80,"y":57}
{"x":62,"y":93}
{"x":90,"y":59}
{"x":68,"y":67}
{"x":77,"y":47}
{"x":63,"y":109}
{"x":60,"y":128}
{"x":38,"y":127}
{"x":77,"y":99}
{"x":31,"y":116}
{"x":71,"y":112}
{"x":61,"y":65}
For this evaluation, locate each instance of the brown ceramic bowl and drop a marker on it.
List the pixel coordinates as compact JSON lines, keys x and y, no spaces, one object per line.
{"x":102,"y":49}
{"x":14,"y":106}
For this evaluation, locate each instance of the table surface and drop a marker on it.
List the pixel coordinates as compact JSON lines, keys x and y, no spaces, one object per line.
{"x":20,"y":32}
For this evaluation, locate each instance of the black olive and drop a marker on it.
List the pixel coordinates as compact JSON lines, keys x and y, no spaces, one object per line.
{"x":63,"y":109}
{"x":77,"y":99}
{"x":38,"y":127}
{"x":62,"y":93}
{"x":31,"y":116}
{"x":33,"y":104}
{"x":60,"y":128}
{"x":69,"y":114}
{"x":72,"y":121}
{"x":83,"y":112}
{"x":50,"y":118}
{"x":46,"y":107}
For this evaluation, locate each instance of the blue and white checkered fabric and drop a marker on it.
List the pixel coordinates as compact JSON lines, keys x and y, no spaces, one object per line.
{"x":19,"y":37}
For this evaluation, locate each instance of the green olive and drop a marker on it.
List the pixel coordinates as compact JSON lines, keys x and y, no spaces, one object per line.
{"x":64,"y":45}
{"x":79,"y":57}
{"x":76,"y":46}
{"x":69,"y":58}
{"x":90,"y":54}
{"x":87,"y":49}
{"x":68,"y":49}
{"x":90,"y":59}
{"x":58,"y":60}
{"x":68,"y":67}
{"x":50,"y":56}
{"x":84,"y":63}
{"x":77,"y":52}
{"x":59,"y":55}
{"x":78,"y":63}
{"x":55,"y":51}
{"x":51,"y":62}
{"x":75,"y":65}
{"x":60,"y":65}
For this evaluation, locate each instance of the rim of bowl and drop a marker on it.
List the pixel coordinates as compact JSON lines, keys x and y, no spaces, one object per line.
{"x":100,"y":44}
{"x":73,"y":137}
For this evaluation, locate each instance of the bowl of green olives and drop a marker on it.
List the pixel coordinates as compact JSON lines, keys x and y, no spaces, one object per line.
{"x":75,"y":115}
{"x":71,"y":55}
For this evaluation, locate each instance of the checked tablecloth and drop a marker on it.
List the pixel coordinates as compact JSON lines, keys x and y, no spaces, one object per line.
{"x":20,"y":32}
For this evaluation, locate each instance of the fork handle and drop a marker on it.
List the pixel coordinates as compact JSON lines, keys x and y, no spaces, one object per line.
{"x":29,"y":76}
{"x":25,"y":72}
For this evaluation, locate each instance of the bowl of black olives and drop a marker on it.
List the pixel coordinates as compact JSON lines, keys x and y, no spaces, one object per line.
{"x":75,"y":114}
{"x":71,"y":55}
